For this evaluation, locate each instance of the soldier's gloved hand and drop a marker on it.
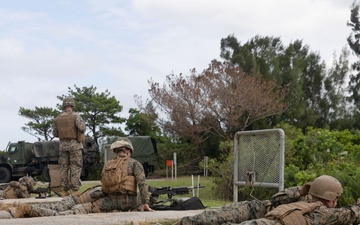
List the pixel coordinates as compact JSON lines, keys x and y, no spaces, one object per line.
{"x":304,"y":190}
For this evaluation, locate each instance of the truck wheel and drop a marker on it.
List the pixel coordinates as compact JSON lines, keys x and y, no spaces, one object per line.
{"x":5,"y":175}
{"x":45,"y":174}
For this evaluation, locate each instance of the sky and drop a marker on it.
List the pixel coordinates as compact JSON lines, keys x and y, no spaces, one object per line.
{"x":47,"y":46}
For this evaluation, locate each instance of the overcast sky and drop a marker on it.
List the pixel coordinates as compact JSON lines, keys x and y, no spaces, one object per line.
{"x":118,"y":45}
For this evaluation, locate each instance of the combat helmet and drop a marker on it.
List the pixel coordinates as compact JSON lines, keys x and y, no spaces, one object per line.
{"x":29,"y":182}
{"x":326,"y":187}
{"x":122,"y":143}
{"x":68,"y":101}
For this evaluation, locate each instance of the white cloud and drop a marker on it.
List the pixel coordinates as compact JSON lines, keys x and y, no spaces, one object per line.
{"x":47,"y":46}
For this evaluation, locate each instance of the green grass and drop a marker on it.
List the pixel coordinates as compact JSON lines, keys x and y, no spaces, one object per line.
{"x":206,"y":194}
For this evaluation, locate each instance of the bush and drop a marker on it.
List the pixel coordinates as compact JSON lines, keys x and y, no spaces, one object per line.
{"x":318,"y":152}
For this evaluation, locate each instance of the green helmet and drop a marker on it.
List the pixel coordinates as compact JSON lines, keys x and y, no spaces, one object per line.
{"x":122,"y":143}
{"x":326,"y":187}
{"x":68,"y":101}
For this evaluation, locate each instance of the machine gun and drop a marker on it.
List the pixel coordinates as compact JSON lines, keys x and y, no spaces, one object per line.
{"x":42,"y":192}
{"x":175,"y":204}
{"x":169,"y":191}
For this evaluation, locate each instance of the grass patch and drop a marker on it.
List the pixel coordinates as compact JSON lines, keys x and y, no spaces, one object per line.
{"x":206,"y":194}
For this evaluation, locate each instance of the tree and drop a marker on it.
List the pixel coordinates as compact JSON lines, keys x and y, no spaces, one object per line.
{"x":41,"y":122}
{"x":141,"y":124}
{"x":295,"y":67}
{"x":336,"y":103}
{"x":98,"y":110}
{"x":219,"y":101}
{"x":354,"y":44}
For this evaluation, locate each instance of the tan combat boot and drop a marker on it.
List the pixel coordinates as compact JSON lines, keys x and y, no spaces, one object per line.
{"x":3,"y":206}
{"x":19,"y":210}
{"x":64,"y":193}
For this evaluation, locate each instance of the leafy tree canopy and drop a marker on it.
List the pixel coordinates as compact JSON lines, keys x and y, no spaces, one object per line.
{"x":141,"y":124}
{"x":41,"y":120}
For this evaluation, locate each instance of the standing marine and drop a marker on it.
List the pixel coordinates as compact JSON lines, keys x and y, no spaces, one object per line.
{"x":70,"y":128}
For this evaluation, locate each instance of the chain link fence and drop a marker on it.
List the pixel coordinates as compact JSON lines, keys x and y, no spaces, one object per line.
{"x":259,"y":159}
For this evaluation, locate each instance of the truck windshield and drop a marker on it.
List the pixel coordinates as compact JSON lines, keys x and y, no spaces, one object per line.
{"x":12,"y":149}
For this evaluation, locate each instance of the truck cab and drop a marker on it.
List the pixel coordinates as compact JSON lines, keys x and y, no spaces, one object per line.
{"x":13,"y":162}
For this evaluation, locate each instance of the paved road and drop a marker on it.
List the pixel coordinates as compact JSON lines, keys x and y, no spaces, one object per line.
{"x":114,"y":218}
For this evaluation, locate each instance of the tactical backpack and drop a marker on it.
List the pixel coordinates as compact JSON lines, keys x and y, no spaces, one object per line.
{"x":114,"y":174}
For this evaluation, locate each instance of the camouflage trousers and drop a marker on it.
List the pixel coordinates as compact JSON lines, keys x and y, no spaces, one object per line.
{"x":234,"y":213}
{"x":70,"y":162}
{"x":122,"y":203}
{"x":67,"y":206}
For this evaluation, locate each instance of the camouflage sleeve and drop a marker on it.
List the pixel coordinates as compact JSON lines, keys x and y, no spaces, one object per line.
{"x":286,"y":196}
{"x":80,"y":124}
{"x":139,"y":174}
{"x":356,"y":214}
{"x":324,"y":215}
{"x":14,"y":184}
{"x":54,"y":129}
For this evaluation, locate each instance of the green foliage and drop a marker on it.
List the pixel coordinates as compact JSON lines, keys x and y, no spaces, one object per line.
{"x":41,"y":120}
{"x":307,"y":156}
{"x":141,"y":124}
{"x":222,"y":169}
{"x":353,"y":41}
{"x":315,"y":95}
{"x":186,"y":154}
{"x":321,"y":151}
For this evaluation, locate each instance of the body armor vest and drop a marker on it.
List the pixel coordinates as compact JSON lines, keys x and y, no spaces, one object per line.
{"x":9,"y":193}
{"x":292,"y":213}
{"x":67,"y":129}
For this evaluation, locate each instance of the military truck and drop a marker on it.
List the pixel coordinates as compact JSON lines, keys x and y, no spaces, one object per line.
{"x":145,"y":151}
{"x":25,"y":158}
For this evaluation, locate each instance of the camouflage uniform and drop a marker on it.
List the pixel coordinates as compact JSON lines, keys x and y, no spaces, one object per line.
{"x":319,"y":216}
{"x":255,"y":211}
{"x":19,"y":188}
{"x":99,"y":202}
{"x":310,"y":209}
{"x":70,"y":155}
{"x":246,"y":210}
{"x":128,"y":202}
{"x":67,"y":206}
